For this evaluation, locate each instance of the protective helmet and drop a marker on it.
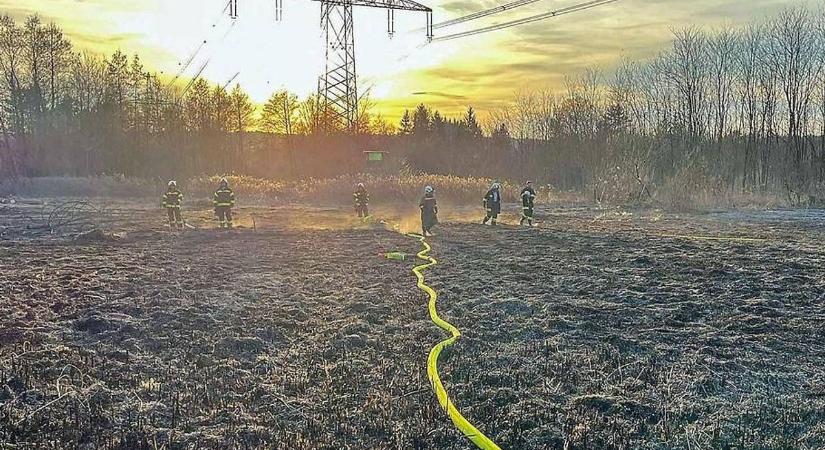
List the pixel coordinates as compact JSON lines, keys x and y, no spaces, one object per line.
{"x":360,"y":185}
{"x":428,"y":189}
{"x":496,"y":185}
{"x":172,"y":183}
{"x":224,"y":182}
{"x":529,"y":182}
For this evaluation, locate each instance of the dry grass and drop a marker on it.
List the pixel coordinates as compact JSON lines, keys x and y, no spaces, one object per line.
{"x":336,"y":191}
{"x":693,"y":188}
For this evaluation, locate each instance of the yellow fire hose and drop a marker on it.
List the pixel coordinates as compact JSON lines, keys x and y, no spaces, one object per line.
{"x":713,"y":238}
{"x":477,"y":437}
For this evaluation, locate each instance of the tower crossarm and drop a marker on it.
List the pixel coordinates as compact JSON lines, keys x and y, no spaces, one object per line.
{"x":406,"y":5}
{"x":337,"y":86}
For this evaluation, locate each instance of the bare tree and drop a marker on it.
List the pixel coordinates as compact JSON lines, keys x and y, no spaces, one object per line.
{"x":280,"y":113}
{"x":794,"y":51}
{"x":722,"y":50}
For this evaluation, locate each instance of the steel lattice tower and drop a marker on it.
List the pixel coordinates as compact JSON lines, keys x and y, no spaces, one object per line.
{"x":337,"y":86}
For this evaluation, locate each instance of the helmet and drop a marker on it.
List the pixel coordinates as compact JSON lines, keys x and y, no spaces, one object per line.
{"x":172,"y":183}
{"x":360,"y":185}
{"x":224,"y":182}
{"x":496,"y":185}
{"x":529,"y":182}
{"x":428,"y":189}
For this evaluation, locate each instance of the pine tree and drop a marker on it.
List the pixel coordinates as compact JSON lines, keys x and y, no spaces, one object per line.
{"x":471,"y":123}
{"x":437,"y":124}
{"x":406,"y":126}
{"x":421,"y":120}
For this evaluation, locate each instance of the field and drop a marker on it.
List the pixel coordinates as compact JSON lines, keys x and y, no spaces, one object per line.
{"x":599,"y":329}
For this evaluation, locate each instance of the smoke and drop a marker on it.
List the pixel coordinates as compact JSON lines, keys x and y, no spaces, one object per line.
{"x":398,"y":220}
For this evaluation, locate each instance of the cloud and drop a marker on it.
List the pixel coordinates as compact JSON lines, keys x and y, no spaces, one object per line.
{"x":465,"y":6}
{"x":108,"y":41}
{"x":442,"y":95}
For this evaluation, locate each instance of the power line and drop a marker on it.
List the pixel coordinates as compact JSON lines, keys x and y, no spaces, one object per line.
{"x":483,"y":13}
{"x":202,"y":67}
{"x":188,"y":62}
{"x":196,"y":52}
{"x":525,"y":20}
{"x":196,"y":77}
{"x":231,"y":80}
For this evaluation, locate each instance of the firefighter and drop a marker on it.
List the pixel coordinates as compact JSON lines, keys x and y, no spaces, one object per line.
{"x":528,"y":195}
{"x":224,"y":200}
{"x":429,"y":211}
{"x":362,"y":201}
{"x":171,"y":201}
{"x":492,"y":203}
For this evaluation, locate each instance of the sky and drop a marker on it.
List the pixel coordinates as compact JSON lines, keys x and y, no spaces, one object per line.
{"x":484,"y":71}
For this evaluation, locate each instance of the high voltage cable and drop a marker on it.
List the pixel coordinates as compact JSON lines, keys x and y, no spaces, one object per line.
{"x":194,"y":79}
{"x":484,"y":13}
{"x":529,"y":19}
{"x":206,"y":63}
{"x":194,"y":54}
{"x":202,"y":67}
{"x":188,"y":62}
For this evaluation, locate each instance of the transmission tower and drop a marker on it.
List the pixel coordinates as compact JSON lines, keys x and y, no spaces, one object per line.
{"x":337,"y":86}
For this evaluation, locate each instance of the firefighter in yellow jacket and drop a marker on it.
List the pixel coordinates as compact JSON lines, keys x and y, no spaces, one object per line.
{"x":171,"y":201}
{"x":224,"y":200}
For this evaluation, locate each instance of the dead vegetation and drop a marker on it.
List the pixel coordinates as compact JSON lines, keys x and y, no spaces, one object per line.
{"x":405,"y":188}
{"x":82,"y":220}
{"x":594,"y":332}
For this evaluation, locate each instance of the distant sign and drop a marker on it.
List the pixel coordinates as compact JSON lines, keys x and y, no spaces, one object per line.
{"x":375,"y":155}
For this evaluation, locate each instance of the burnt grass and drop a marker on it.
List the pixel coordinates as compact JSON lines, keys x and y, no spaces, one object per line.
{"x":586,"y":333}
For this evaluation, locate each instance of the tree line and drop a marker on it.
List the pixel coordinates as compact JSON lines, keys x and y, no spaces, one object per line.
{"x":69,"y":112}
{"x":731,"y":109}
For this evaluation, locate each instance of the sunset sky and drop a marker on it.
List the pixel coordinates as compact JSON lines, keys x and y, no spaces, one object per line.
{"x":482,"y":70}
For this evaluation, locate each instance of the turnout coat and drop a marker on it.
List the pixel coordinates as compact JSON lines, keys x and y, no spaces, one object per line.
{"x":528,"y":195}
{"x":492,"y":201}
{"x":429,"y":211}
{"x":361,"y":198}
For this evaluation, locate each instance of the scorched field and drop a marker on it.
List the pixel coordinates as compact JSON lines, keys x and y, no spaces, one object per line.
{"x":596,"y":330}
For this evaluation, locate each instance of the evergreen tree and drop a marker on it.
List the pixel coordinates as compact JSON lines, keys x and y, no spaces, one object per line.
{"x":406,"y":125}
{"x":421,"y":120}
{"x":471,"y":123}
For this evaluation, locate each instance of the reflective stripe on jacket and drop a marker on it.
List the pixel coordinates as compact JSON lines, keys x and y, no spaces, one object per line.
{"x":223,"y":197}
{"x":361,"y":198}
{"x":172,"y":199}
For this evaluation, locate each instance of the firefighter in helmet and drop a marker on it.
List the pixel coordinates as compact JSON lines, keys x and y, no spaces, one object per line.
{"x":171,"y":201}
{"x":528,"y":195}
{"x":429,"y":211}
{"x":492,"y":203}
{"x":224,"y":200}
{"x":362,"y":201}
